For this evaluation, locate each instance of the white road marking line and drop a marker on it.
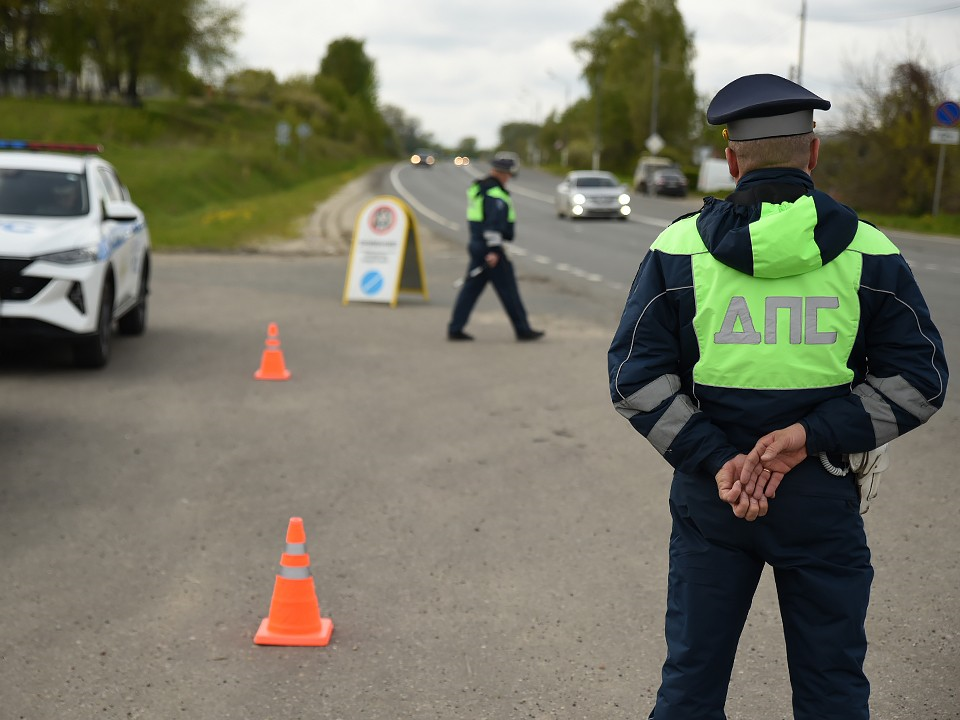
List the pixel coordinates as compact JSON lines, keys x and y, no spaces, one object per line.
{"x":416,"y":204}
{"x":647,"y":220}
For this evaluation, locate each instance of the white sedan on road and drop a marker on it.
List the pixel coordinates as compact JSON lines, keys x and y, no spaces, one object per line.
{"x":592,"y":193}
{"x":74,"y":250}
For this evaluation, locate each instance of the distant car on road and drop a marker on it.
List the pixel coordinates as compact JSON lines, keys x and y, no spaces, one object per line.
{"x":74,"y":250}
{"x":669,"y":181}
{"x":461,"y":160}
{"x":646,"y":166}
{"x":424,"y":158}
{"x":592,"y":193}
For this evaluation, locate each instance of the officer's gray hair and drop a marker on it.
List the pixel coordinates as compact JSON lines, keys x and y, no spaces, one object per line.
{"x":791,"y":151}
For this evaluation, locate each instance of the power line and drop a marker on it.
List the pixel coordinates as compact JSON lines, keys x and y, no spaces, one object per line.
{"x":931,"y":11}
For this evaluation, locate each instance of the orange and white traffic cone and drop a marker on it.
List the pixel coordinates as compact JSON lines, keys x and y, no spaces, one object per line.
{"x":294,"y":617}
{"x":272,"y":366}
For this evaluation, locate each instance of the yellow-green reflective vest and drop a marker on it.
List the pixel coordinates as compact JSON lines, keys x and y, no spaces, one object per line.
{"x":475,"y":197}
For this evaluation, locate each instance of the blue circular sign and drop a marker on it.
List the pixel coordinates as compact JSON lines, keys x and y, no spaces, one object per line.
{"x":948,"y":113}
{"x":371,"y":283}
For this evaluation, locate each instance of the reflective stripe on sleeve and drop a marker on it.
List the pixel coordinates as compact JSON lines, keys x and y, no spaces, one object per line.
{"x":881,"y":414}
{"x":671,"y":423}
{"x":493,"y":238}
{"x":649,"y":396}
{"x":905,"y":395}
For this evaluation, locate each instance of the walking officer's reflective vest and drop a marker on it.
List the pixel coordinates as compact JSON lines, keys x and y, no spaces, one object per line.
{"x":476,"y":195}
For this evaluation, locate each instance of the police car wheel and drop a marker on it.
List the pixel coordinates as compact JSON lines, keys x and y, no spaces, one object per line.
{"x":94,"y":351}
{"x":134,"y":322}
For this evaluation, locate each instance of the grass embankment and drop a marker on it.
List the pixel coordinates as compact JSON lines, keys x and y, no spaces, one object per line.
{"x":209,"y":176}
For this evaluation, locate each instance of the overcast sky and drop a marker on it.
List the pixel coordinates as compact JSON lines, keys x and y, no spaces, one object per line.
{"x":464,"y":68}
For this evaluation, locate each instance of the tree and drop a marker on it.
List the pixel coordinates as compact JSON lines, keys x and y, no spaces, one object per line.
{"x":467,"y":146}
{"x":348,"y":81}
{"x":135,"y":37}
{"x":407,"y":131}
{"x":638,"y":67}
{"x":887,"y":134}
{"x":23,"y":41}
{"x":347,"y":63}
{"x":213,"y":30}
{"x":250,"y":84}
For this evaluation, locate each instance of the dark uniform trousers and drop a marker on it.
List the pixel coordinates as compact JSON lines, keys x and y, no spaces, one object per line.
{"x":813,"y":538}
{"x":504,"y":282}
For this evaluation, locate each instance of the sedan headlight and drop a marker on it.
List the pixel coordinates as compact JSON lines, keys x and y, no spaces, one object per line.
{"x":579,"y":199}
{"x":72,"y":257}
{"x":624,"y":199}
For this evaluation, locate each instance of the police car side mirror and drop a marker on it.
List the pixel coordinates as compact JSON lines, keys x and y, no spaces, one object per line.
{"x":119,"y":210}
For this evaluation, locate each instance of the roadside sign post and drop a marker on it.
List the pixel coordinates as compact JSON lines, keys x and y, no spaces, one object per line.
{"x":304,"y":131}
{"x":655,"y":144}
{"x":385,"y":254}
{"x":944,"y":133}
{"x":282,"y":135}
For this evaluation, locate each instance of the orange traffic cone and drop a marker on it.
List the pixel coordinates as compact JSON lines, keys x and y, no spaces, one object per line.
{"x":294,"y":617}
{"x":272,"y":366}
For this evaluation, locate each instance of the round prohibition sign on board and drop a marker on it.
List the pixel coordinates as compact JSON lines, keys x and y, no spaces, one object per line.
{"x":383,"y":219}
{"x":948,"y":113}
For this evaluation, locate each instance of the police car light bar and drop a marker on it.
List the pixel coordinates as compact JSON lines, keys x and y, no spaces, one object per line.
{"x":62,"y":147}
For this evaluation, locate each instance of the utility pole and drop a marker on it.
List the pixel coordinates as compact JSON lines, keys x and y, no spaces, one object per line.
{"x":564,"y":151}
{"x":655,"y":92}
{"x":803,"y":27}
{"x":597,"y":141}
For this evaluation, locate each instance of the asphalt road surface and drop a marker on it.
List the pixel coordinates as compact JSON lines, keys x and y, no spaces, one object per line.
{"x":487,"y":534}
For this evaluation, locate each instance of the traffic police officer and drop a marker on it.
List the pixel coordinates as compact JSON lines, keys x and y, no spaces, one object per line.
{"x":752,"y":319}
{"x":491,"y":217}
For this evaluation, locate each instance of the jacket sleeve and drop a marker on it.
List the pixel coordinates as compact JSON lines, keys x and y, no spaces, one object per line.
{"x":906,"y":379}
{"x":644,"y":371}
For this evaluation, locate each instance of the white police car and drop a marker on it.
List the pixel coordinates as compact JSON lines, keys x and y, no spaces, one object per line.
{"x":74,"y":249}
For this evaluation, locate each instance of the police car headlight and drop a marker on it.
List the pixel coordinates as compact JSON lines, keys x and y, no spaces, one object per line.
{"x":71,"y":257}
{"x":579,"y":199}
{"x":624,"y":199}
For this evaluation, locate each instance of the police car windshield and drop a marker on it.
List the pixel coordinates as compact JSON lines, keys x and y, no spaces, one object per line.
{"x":42,"y":193}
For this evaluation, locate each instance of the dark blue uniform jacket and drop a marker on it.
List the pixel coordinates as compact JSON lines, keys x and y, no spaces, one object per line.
{"x":897,"y":360}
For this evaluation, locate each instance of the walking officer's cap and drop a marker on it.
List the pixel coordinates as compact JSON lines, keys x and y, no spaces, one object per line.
{"x":764,"y":106}
{"x":503,"y":164}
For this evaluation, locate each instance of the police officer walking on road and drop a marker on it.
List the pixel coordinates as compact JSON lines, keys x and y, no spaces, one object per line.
{"x":491,"y":217}
{"x":766,"y":338}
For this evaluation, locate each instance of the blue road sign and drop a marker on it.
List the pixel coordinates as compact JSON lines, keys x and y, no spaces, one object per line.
{"x":948,"y":113}
{"x":371,"y":283}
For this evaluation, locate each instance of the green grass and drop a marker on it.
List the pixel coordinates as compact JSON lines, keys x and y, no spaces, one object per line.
{"x":208,"y":175}
{"x":233,"y":223}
